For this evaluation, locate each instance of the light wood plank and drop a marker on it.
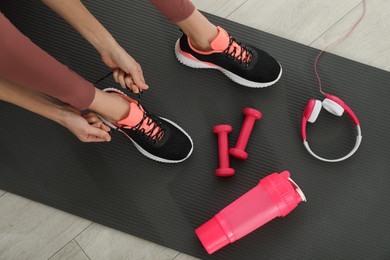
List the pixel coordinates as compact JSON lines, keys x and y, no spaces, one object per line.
{"x":299,"y":20}
{"x":26,"y":227}
{"x":30,"y":230}
{"x":183,"y":256}
{"x":100,"y":242}
{"x":370,"y":42}
{"x":71,"y":251}
{"x":220,"y":8}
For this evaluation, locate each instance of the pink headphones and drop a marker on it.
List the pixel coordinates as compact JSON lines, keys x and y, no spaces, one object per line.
{"x":335,"y":106}
{"x":332,"y":104}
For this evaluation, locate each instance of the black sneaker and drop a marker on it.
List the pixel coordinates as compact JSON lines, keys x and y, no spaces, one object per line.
{"x":243,"y":64}
{"x":157,"y":138}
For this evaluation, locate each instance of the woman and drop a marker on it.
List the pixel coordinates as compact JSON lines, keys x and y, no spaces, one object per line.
{"x":202,"y":45}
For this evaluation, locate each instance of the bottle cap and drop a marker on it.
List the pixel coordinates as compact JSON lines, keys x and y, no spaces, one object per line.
{"x":212,"y":236}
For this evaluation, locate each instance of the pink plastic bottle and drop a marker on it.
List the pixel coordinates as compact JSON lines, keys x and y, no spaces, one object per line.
{"x":275,"y":196}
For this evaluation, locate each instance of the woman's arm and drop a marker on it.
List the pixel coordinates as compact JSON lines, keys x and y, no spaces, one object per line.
{"x":126,"y":70}
{"x":87,"y":128}
{"x":78,"y":16}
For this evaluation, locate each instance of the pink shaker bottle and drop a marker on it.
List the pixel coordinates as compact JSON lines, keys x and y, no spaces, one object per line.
{"x":275,"y":196}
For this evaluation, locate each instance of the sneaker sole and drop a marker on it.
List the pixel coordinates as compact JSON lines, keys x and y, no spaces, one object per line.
{"x":197,"y":64}
{"x":139,"y":148}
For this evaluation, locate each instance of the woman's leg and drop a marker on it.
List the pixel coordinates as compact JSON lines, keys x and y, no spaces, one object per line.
{"x":24,"y":63}
{"x":110,"y":106}
{"x":174,"y":10}
{"x":203,"y":45}
{"x":184,"y":14}
{"x":200,"y":30}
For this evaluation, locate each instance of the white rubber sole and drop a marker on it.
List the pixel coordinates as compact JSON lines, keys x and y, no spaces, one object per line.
{"x":201,"y":65}
{"x":139,"y":148}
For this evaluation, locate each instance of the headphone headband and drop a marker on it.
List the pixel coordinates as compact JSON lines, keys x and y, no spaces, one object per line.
{"x":355,"y":148}
{"x":310,"y":107}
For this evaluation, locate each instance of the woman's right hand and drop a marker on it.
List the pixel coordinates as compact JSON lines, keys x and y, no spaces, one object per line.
{"x":87,"y":128}
{"x":126,"y":70}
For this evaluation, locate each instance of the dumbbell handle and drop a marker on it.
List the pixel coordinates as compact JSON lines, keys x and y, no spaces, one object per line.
{"x":245,"y":132}
{"x":223,"y":147}
{"x":251,"y":115}
{"x":224,"y":169}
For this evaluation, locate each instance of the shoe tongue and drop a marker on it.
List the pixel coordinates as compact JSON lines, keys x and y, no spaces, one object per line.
{"x":135,"y":116}
{"x":222,"y":41}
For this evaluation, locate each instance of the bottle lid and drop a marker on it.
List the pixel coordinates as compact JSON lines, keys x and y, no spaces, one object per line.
{"x":212,"y":236}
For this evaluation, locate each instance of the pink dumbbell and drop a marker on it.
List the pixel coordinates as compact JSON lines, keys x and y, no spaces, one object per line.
{"x":224,"y":169}
{"x":251,"y":115}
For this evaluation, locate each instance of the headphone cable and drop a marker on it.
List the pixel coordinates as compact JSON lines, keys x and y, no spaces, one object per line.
{"x":341,"y":39}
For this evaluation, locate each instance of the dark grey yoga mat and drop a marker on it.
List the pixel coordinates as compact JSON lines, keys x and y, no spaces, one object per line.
{"x":348,"y":209}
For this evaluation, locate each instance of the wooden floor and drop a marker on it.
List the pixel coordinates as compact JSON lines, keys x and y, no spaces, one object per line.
{"x":29,"y":230}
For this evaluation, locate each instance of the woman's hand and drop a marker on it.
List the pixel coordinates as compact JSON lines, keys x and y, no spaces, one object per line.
{"x":87,"y":128}
{"x":126,"y":70}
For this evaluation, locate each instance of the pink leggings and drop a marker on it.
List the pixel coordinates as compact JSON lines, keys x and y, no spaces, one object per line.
{"x":24,"y":63}
{"x":174,"y":10}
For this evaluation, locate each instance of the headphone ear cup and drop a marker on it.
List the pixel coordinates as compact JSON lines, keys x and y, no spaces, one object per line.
{"x":315,"y":111}
{"x":332,"y":107}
